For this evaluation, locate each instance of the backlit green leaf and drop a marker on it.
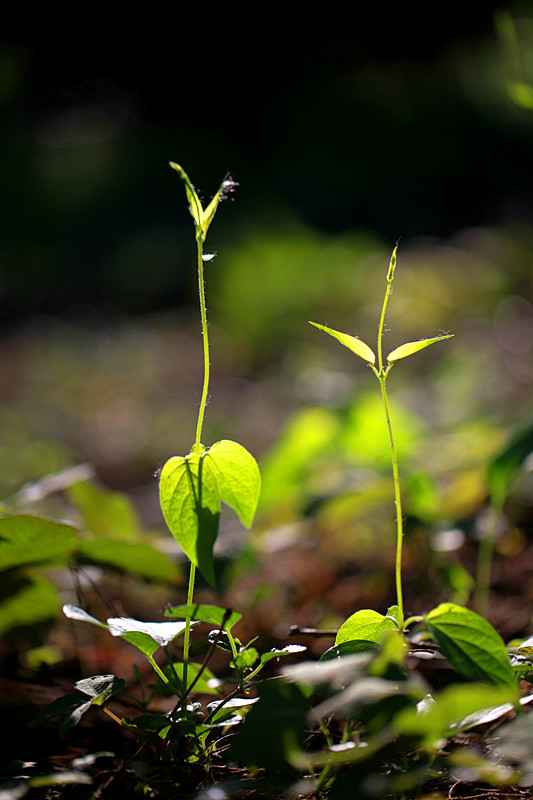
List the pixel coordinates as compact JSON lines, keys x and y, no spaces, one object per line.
{"x":365,"y":624}
{"x":104,"y":512}
{"x":195,"y":207}
{"x":451,"y":711}
{"x":238,"y":478}
{"x":354,"y":344}
{"x":409,"y":348}
{"x":215,"y":615}
{"x":190,"y":501}
{"x":471,"y":645}
{"x":138,"y":559}
{"x":29,"y":540}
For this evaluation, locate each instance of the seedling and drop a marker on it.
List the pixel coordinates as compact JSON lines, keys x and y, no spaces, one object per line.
{"x":381,"y":372}
{"x":192,"y":486}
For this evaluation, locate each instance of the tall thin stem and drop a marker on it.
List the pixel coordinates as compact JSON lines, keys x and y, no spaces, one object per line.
{"x":485,"y":553}
{"x":397,"y":499}
{"x":201,"y":292}
{"x":381,"y":374}
{"x":198,"y":444}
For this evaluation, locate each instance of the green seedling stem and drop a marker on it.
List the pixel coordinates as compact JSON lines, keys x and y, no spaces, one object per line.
{"x":200,"y":239}
{"x":381,"y":373}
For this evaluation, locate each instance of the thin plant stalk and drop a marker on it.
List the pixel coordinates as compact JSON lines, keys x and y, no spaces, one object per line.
{"x":485,"y":554}
{"x":200,"y":236}
{"x":203,"y":312}
{"x":381,"y":374}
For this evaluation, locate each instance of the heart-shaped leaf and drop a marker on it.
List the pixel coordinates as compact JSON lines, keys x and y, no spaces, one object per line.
{"x":471,"y":645}
{"x":238,"y":477}
{"x":354,"y":344}
{"x":366,"y":624}
{"x":409,"y":348}
{"x":190,"y":501}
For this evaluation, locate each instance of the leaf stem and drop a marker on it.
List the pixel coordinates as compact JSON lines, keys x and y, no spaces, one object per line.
{"x":200,"y":238}
{"x":186,"y":636}
{"x":485,"y":554}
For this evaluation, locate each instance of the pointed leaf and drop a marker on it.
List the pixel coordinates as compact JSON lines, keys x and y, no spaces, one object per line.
{"x":215,"y":615}
{"x":100,"y":687}
{"x":238,"y":478}
{"x":190,"y":501}
{"x":195,"y":207}
{"x":73,"y":612}
{"x":161,"y":633}
{"x":209,"y":213}
{"x":409,"y":348}
{"x":365,"y":624}
{"x":471,"y":645}
{"x":354,"y":344}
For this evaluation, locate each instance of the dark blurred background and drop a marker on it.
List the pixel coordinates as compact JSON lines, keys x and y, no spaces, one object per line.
{"x":346,"y":131}
{"x":344,"y":135}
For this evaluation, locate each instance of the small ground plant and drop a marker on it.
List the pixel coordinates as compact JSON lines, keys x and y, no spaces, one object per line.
{"x":368,"y":720}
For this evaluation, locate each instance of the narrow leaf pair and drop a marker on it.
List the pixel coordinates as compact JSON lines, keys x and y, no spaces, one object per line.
{"x":202,"y":217}
{"x":365,"y":352}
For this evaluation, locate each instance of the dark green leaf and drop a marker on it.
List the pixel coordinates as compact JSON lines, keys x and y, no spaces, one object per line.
{"x":27,"y":600}
{"x":471,"y":645}
{"x":274,"y":728}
